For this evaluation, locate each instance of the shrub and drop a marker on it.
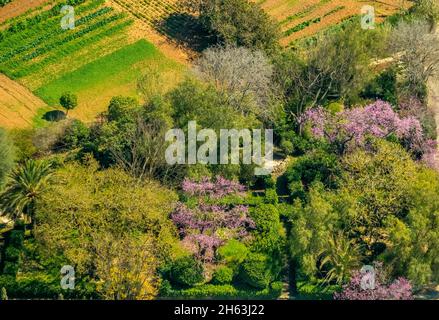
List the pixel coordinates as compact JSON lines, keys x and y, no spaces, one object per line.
{"x":271,"y":197}
{"x":382,"y":289}
{"x":117,"y":110}
{"x":222,"y":275}
{"x":255,"y":271}
{"x":225,"y":291}
{"x":10,"y":268}
{"x":233,"y":253}
{"x":16,"y":238}
{"x":187,"y":271}
{"x":75,"y":135}
{"x":4,"y":294}
{"x":12,"y":254}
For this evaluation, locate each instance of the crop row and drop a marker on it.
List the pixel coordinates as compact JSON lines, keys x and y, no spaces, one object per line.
{"x":307,"y":23}
{"x":50,"y":33}
{"x":72,"y":37}
{"x":302,"y":14}
{"x":22,"y":70}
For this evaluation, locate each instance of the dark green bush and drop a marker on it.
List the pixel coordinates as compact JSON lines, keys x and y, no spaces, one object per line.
{"x":187,"y":271}
{"x":226,"y":291}
{"x":10,"y":268}
{"x":12,"y":254}
{"x":271,"y":197}
{"x":16,"y":238}
{"x":315,"y":166}
{"x":255,"y":271}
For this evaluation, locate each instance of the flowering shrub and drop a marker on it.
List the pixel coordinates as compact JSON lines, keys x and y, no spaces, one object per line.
{"x":218,"y":189}
{"x":207,"y":226}
{"x":399,"y":289}
{"x":351,"y":127}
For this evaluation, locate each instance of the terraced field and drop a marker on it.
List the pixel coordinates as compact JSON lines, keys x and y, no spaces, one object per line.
{"x":38,"y":50}
{"x":302,"y":18}
{"x":151,"y":11}
{"x":18,"y":105}
{"x":39,"y":55}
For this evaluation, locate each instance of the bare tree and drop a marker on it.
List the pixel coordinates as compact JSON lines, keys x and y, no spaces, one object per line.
{"x":143,"y":153}
{"x":244,"y":76}
{"x":417,"y":50}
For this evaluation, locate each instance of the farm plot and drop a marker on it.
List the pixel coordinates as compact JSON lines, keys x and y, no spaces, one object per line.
{"x":115,"y":74}
{"x":166,"y":17}
{"x":300,"y":19}
{"x":18,"y":105}
{"x":151,"y":11}
{"x":37,"y":50}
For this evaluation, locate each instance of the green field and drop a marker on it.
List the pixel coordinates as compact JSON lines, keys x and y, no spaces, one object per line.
{"x":111,"y":75}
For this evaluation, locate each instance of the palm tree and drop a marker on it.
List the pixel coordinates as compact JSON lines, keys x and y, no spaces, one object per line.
{"x":26,"y":184}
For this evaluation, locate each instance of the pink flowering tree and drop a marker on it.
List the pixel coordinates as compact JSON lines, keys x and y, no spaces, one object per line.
{"x":351,"y":128}
{"x":206,"y":226}
{"x":382,"y":289}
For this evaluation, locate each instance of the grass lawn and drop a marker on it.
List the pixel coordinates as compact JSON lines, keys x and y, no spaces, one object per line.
{"x":115,"y":74}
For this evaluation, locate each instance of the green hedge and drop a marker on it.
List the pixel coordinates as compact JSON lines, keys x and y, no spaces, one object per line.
{"x":226,"y":291}
{"x":41,"y":286}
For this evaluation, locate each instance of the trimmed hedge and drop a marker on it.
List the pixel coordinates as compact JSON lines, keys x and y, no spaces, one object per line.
{"x":227,"y":291}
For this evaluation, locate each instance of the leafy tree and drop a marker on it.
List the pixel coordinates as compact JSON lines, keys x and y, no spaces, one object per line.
{"x":428,"y":10}
{"x":317,"y":165}
{"x":126,"y":267}
{"x":255,"y":271}
{"x":194,"y":101}
{"x":27,"y":183}
{"x":269,"y":236}
{"x":237,"y":22}
{"x":133,"y":137}
{"x":351,"y":128}
{"x":68,"y":101}
{"x":6,"y":156}
{"x":379,"y":211}
{"x":335,"y":67}
{"x":107,"y":221}
{"x":120,"y":107}
{"x":187,"y":271}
